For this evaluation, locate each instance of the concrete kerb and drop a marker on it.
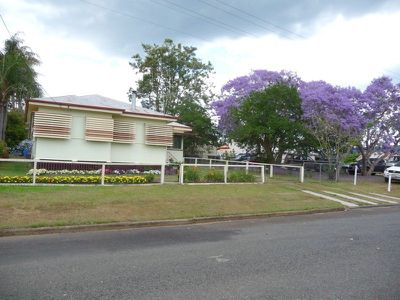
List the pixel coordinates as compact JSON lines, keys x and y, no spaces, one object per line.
{"x":375,"y":206}
{"x":156,"y":223}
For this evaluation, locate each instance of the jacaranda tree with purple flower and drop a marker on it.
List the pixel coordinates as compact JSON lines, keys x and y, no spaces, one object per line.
{"x":331,"y":117}
{"x":269,"y":122}
{"x":380,"y":109}
{"x":262,"y":112}
{"x":235,"y":91}
{"x":338,"y":118}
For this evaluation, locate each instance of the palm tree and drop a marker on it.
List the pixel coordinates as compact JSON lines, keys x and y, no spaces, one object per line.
{"x":18,"y":78}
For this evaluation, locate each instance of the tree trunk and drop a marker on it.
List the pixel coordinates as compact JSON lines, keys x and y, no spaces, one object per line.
{"x":269,"y":153}
{"x":364,"y":165}
{"x":331,"y":168}
{"x":3,"y":122}
{"x":337,"y":167}
{"x":269,"y":156}
{"x":278,"y":158}
{"x":363,"y":159}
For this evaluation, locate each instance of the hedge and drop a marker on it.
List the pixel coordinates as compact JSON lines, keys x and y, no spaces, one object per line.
{"x":193,"y":174}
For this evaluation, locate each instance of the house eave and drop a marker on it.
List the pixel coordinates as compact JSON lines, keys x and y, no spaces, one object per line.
{"x":63,"y":105}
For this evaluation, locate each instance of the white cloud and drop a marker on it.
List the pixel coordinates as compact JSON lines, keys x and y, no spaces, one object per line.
{"x":343,"y":52}
{"x":69,"y":65}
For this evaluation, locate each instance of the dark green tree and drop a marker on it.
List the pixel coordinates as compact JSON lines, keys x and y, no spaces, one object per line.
{"x":18,"y":78}
{"x":16,"y":129}
{"x":269,"y":122}
{"x":174,"y":81}
{"x":204,"y":132}
{"x":171,"y":76}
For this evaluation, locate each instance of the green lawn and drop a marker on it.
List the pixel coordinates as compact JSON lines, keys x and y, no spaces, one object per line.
{"x":27,"y":206}
{"x":14,"y":169}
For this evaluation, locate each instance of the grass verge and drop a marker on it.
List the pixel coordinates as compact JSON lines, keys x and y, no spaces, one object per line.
{"x":25,"y":206}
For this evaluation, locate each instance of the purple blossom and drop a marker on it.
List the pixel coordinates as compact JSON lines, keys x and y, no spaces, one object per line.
{"x":380,"y":107}
{"x":236,"y":90}
{"x":331,"y":105}
{"x":372,"y":116}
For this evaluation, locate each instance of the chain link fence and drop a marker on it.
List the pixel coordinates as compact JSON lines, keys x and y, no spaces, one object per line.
{"x":329,"y":172}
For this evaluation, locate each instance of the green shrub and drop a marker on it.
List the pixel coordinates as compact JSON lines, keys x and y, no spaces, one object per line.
{"x":191,"y":174}
{"x":241,"y":176}
{"x":351,"y":158}
{"x":214,"y":176}
{"x":3,"y":150}
{"x":149,"y":177}
{"x":16,"y":129}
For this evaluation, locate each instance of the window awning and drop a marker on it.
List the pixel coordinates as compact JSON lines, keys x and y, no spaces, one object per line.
{"x":179,"y":128}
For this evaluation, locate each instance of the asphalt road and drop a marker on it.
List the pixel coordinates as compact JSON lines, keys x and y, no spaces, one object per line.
{"x":344,"y":255}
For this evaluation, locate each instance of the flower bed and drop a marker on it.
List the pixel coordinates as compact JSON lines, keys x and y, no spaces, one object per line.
{"x":79,"y":179}
{"x":40,"y":172}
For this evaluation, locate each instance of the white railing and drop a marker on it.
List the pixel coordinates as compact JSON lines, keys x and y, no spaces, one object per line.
{"x":102,"y":166}
{"x":225,"y":168}
{"x":162,"y":167}
{"x":247,"y":164}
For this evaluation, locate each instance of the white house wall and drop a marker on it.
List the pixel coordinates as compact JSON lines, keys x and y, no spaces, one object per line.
{"x":78,"y":149}
{"x":138,"y":151}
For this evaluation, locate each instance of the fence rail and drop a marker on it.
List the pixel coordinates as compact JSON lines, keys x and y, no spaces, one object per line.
{"x":234,"y":162}
{"x":33,"y":168}
{"x":165,"y":173}
{"x":196,"y":161}
{"x":225,"y":168}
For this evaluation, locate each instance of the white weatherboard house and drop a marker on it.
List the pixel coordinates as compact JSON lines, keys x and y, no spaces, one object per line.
{"x":99,"y":129}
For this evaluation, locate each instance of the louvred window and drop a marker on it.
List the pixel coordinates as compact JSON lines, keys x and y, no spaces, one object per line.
{"x":52,"y":125}
{"x":124,"y":132}
{"x":158,"y":135}
{"x":99,"y":129}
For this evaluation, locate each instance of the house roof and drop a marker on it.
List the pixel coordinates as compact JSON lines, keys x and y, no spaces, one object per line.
{"x":180,"y":128}
{"x":99,"y":102}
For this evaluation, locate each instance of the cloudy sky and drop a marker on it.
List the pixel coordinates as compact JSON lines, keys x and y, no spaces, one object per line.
{"x":85,"y":45}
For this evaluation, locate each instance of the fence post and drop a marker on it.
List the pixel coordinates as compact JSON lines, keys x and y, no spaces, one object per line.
{"x":247,"y":167}
{"x":302,"y":174}
{"x":337,"y":170}
{"x":210,"y":162}
{"x":195,"y":161}
{"x":103,"y":172}
{"x":271,"y":171}
{"x":320,"y":172}
{"x":355,"y":175}
{"x":34,"y":172}
{"x":162,"y":178}
{"x":181,"y":166}
{"x":389,"y":183}
{"x":263,"y":174}
{"x":226,"y":173}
